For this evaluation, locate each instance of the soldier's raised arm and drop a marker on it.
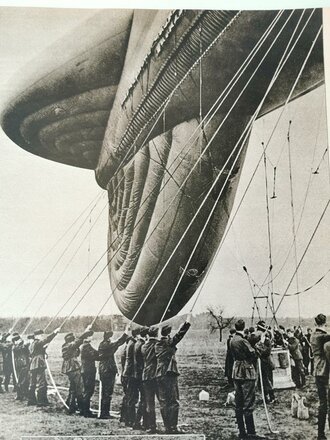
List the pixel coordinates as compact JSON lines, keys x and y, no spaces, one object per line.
{"x":50,"y":337}
{"x":181,"y":332}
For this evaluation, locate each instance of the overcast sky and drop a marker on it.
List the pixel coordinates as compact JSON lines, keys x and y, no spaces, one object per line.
{"x":40,"y":199}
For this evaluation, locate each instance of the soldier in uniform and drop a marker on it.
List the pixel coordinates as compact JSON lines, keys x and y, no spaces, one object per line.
{"x":21,"y":357}
{"x":264,"y":351}
{"x":129,"y":375}
{"x":71,"y":367}
{"x":3,"y":348}
{"x":88,"y":371}
{"x":108,"y":368}
{"x":167,"y":375}
{"x":138,"y":368}
{"x":123,"y":408}
{"x":321,"y":371}
{"x":229,"y":362}
{"x":244,"y":375}
{"x":8,"y":362}
{"x":149,"y":379}
{"x":38,"y":382}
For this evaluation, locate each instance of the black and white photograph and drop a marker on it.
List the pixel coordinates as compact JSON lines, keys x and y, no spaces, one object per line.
{"x":164,"y":218}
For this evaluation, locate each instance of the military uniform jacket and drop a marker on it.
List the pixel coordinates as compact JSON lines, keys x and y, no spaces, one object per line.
{"x":21,"y":356}
{"x":2,"y":348}
{"x":165,"y":350}
{"x":245,"y":357}
{"x":264,"y":350}
{"x":138,"y":358}
{"x":128,"y":370}
{"x":318,"y":339}
{"x":294,"y":348}
{"x":38,"y":352}
{"x":149,"y":359}
{"x":88,"y":357}
{"x":70,"y":353}
{"x":107,"y":350}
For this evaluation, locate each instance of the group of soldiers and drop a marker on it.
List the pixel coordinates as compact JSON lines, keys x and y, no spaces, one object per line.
{"x":294,"y":339}
{"x":309,"y":353}
{"x":148,"y":370}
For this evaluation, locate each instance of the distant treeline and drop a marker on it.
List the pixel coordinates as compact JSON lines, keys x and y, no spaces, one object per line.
{"x":77,"y":324}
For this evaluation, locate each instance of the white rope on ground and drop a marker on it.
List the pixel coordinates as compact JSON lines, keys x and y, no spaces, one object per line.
{"x":55,"y":386}
{"x":264,"y":400}
{"x":100,"y":398}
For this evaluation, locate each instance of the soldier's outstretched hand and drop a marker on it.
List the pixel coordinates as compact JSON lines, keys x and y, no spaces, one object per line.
{"x":188,"y":319}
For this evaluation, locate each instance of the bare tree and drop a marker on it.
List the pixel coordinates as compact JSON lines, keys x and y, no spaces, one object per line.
{"x":217,"y":321}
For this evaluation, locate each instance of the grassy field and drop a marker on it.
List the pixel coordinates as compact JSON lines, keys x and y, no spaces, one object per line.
{"x":200,"y":358}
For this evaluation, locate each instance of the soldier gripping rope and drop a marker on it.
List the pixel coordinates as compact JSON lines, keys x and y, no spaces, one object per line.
{"x":8,"y":362}
{"x":88,"y":372}
{"x":244,"y":376}
{"x":149,"y":378}
{"x":71,"y":367}
{"x":321,"y":371}
{"x":167,"y":375}
{"x":138,"y":369}
{"x":131,"y":395}
{"x":108,"y":368}
{"x":38,"y":382}
{"x":21,"y":357}
{"x":3,"y":349}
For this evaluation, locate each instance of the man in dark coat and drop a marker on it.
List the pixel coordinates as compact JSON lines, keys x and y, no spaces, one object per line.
{"x":128,"y":373}
{"x":167,"y":375}
{"x":149,"y":378}
{"x":307,"y":352}
{"x":244,"y":375}
{"x":38,"y":382}
{"x":138,"y":369}
{"x":3,"y":348}
{"x":229,"y":362}
{"x":21,"y":357}
{"x":298,"y":370}
{"x":8,"y":362}
{"x":71,"y":367}
{"x":321,"y":371}
{"x":264,"y":351}
{"x":123,"y":407}
{"x":88,"y":372}
{"x":108,"y":368}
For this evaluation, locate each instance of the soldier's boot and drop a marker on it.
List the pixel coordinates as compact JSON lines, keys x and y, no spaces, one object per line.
{"x":42,"y":399}
{"x":321,"y":426}
{"x":250,"y":428}
{"x":130,"y":416}
{"x":80,"y":403}
{"x":87,"y":410}
{"x":1,"y":389}
{"x":32,"y":397}
{"x":241,"y":426}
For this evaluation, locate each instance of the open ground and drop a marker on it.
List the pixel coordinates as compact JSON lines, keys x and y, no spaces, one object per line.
{"x":200,"y":358}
